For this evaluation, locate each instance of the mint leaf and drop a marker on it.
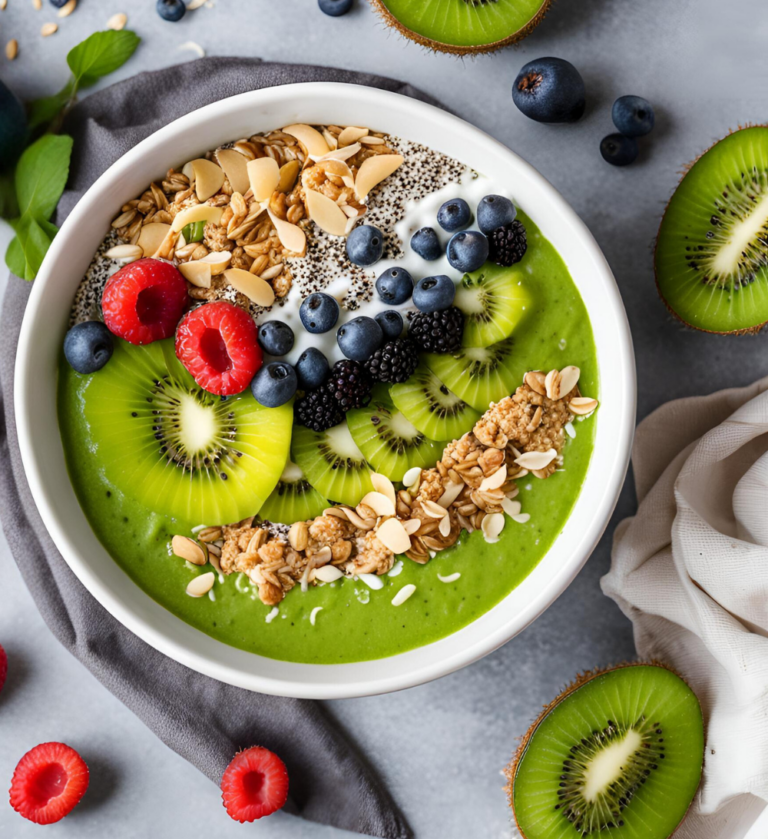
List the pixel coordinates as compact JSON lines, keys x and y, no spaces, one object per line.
{"x":101,"y":54}
{"x":15,"y":259}
{"x":27,"y":251}
{"x":9,"y":207}
{"x":41,"y":175}
{"x":45,"y":110}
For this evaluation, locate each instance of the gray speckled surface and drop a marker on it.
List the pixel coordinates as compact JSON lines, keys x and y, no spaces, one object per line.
{"x":440,"y":747}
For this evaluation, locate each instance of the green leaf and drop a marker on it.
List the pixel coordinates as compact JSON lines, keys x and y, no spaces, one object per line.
{"x":193,"y":232}
{"x":41,"y":175}
{"x":9,"y":207}
{"x":42,"y":111}
{"x":101,"y":54}
{"x":29,"y":247}
{"x":14,"y":258}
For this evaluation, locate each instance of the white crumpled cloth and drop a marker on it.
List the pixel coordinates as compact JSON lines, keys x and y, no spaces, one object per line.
{"x":690,"y":571}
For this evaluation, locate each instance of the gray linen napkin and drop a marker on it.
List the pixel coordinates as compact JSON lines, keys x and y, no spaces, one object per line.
{"x":201,"y":719}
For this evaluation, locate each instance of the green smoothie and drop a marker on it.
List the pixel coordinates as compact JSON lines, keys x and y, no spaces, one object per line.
{"x":357,"y":623}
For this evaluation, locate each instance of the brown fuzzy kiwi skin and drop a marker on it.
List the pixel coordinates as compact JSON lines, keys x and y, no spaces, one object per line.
{"x":437,"y":46}
{"x":510,"y":771}
{"x":751,"y":330}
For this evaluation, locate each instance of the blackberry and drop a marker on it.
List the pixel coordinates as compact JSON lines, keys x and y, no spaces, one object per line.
{"x":508,"y":244}
{"x":438,"y":332}
{"x":394,"y":362}
{"x":350,"y":385}
{"x":318,"y":410}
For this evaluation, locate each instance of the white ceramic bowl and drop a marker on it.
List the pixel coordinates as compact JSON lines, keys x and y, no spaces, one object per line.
{"x":45,"y":325}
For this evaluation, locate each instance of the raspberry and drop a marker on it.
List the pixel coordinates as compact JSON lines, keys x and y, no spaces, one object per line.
{"x":48,"y":783}
{"x":255,"y":784}
{"x":144,"y":301}
{"x":438,"y":332}
{"x":508,"y":244}
{"x":3,"y":666}
{"x":394,"y":362}
{"x":217,"y":344}
{"x":349,"y":384}
{"x":318,"y":410}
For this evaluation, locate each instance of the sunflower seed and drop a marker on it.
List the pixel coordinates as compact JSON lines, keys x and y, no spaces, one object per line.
{"x":49,"y":29}
{"x":117,"y":21}
{"x":189,"y":550}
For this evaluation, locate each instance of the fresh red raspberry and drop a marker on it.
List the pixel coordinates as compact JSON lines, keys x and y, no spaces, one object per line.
{"x":144,"y":301}
{"x":217,"y":344}
{"x":3,"y":666}
{"x":255,"y":784}
{"x":48,"y":783}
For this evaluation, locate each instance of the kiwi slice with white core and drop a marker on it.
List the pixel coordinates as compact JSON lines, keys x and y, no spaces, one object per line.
{"x":711,"y":255}
{"x":617,"y":755}
{"x":332,"y":463}
{"x":293,"y":499}
{"x":177,"y":449}
{"x":463,"y":26}
{"x":494,"y":300}
{"x":427,"y":403}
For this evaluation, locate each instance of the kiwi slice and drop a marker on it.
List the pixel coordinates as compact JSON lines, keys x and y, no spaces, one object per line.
{"x":493,"y":300}
{"x":293,"y":499}
{"x":618,"y":754}
{"x":712,"y":249}
{"x":177,"y":449}
{"x":332,"y":463}
{"x":478,"y":375}
{"x":389,"y":441}
{"x":426,"y":402}
{"x":463,"y":26}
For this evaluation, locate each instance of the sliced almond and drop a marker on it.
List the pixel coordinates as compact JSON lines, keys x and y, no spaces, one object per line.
{"x":325,"y":213}
{"x":49,"y":29}
{"x":336,"y":167}
{"x":332,"y":142}
{"x":370,"y":140}
{"x":197,"y":272}
{"x":445,"y":526}
{"x":382,"y":484}
{"x":218,"y":260}
{"x":402,"y":595}
{"x":126,"y":252}
{"x":188,"y":170}
{"x":392,"y":535}
{"x":209,"y":178}
{"x":358,"y":521}
{"x":309,"y":137}
{"x":522,"y":518}
{"x":273,"y":271}
{"x":291,"y":236}
{"x":151,"y":236}
{"x":371,"y":580}
{"x":451,"y":493}
{"x":288,"y":173}
{"x":582,"y":405}
{"x":535,"y":380}
{"x":351,"y":135}
{"x":511,"y":508}
{"x":339,"y":154}
{"x":253,"y":287}
{"x":434,"y":511}
{"x":235,"y":168}
{"x":374,"y":170}
{"x":195,"y":4}
{"x":263,"y":176}
{"x":201,"y":585}
{"x":379,"y":503}
{"x":536,"y":460}
{"x":496,"y":480}
{"x":67,"y":9}
{"x":189,"y":550}
{"x":323,"y":556}
{"x":117,"y":21}
{"x":570,"y":430}
{"x":411,"y":526}
{"x":200,"y":212}
{"x":492,"y":526}
{"x":412,"y":476}
{"x":552,"y":384}
{"x":328,"y":574}
{"x":569,"y":378}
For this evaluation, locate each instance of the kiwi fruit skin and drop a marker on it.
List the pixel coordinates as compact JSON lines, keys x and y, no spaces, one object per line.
{"x":549,"y":820}
{"x":684,"y":243}
{"x":293,"y":499}
{"x":380,"y":6}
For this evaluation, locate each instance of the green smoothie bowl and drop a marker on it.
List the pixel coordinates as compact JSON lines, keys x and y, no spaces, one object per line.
{"x":324,"y":393}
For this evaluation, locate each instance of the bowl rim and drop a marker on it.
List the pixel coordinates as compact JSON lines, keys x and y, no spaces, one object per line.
{"x":375,"y":680}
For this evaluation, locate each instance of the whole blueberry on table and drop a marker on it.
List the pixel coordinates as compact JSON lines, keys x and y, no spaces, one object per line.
{"x":274,"y":384}
{"x":391,"y":323}
{"x":319,"y":312}
{"x":426,"y":244}
{"x":633,"y":116}
{"x":454,"y":215}
{"x":13,"y":127}
{"x":495,"y":211}
{"x":619,"y":150}
{"x":394,"y":286}
{"x":335,"y":8}
{"x":171,"y":10}
{"x":59,"y":3}
{"x":275,"y":337}
{"x":88,"y":346}
{"x":433,"y":294}
{"x":359,"y":338}
{"x":550,"y":90}
{"x":312,"y":369}
{"x":365,"y":245}
{"x":467,"y":251}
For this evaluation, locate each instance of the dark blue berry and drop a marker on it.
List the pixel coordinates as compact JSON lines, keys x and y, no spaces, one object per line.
{"x":88,"y":346}
{"x":359,"y":338}
{"x":433,"y":294}
{"x":394,"y":286}
{"x":426,"y":244}
{"x":633,"y":116}
{"x":171,"y":10}
{"x":550,"y":90}
{"x":312,"y":369}
{"x":275,"y":337}
{"x":467,"y":251}
{"x":335,"y":8}
{"x":13,"y":127}
{"x":391,"y":323}
{"x":59,"y":3}
{"x":619,"y":150}
{"x":494,"y":211}
{"x":319,"y":312}
{"x":365,"y":245}
{"x":454,"y":215}
{"x":274,"y":384}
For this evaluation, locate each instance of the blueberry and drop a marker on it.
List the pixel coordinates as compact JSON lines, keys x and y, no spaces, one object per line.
{"x":494,"y":211}
{"x":426,"y":244}
{"x":312,"y":369}
{"x":619,"y":150}
{"x":394,"y":286}
{"x":275,"y":337}
{"x":550,"y":90}
{"x":319,"y":312}
{"x":88,"y":346}
{"x":359,"y":338}
{"x":274,"y":384}
{"x":633,"y":116}
{"x":391,"y":323}
{"x":454,"y":215}
{"x":433,"y":294}
{"x":13,"y":127}
{"x":467,"y":251}
{"x":171,"y":10}
{"x":59,"y":3}
{"x":335,"y":8}
{"x":365,"y":245}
